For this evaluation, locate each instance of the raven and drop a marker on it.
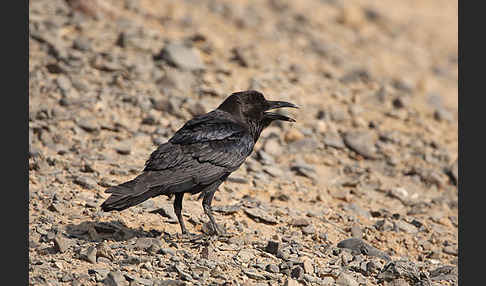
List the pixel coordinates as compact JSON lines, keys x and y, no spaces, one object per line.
{"x":201,"y":155}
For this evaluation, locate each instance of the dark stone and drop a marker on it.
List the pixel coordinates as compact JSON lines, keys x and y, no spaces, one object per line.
{"x":272,"y":268}
{"x":358,"y":246}
{"x":297,"y":272}
{"x":272,"y":247}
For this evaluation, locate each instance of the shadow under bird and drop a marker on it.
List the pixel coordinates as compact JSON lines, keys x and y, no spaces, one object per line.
{"x":201,"y":155}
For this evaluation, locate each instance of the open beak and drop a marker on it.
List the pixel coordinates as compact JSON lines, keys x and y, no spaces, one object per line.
{"x":277,"y":116}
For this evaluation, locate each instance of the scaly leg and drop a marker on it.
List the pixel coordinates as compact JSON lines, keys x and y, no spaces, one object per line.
{"x":206,"y":203}
{"x":178,"y":211}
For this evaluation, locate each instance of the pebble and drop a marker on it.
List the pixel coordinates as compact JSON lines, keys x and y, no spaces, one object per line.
{"x":115,"y":278}
{"x":89,"y":125}
{"x":91,"y":254}
{"x":183,"y":57}
{"x":308,"y":266}
{"x":272,"y":268}
{"x":254,"y":275}
{"x":61,"y":244}
{"x":442,"y":114}
{"x":333,"y":139}
{"x":305,"y":170}
{"x":273,"y":171}
{"x":260,"y":215}
{"x":321,"y":127}
{"x":362,"y":143}
{"x":358,"y":246}
{"x":85,"y":182}
{"x":272,"y":147}
{"x":299,"y":222}
{"x":345,"y":279}
{"x":297,"y":272}
{"x":356,"y":232}
{"x":308,"y":230}
{"x":404,"y":269}
{"x":293,"y":135}
{"x":245,"y":255}
{"x":291,"y":282}
{"x":138,"y":280}
{"x":405,"y":227}
{"x":450,"y":250}
{"x":272,"y":247}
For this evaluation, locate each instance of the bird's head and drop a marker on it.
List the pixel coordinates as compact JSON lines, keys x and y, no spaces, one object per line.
{"x":251,"y":105}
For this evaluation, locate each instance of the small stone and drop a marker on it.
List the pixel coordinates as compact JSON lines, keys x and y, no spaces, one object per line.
{"x":168,"y":212}
{"x":227,"y":210}
{"x":308,"y":230}
{"x":305,"y":170}
{"x":400,"y":102}
{"x":272,"y":247}
{"x":356,"y":232}
{"x":300,"y":222}
{"x":291,"y":282}
{"x":273,"y":171}
{"x":89,"y":125}
{"x":100,"y":274}
{"x":140,"y":281}
{"x":441,"y":114}
{"x":260,"y":215}
{"x":384,"y":225}
{"x":245,"y":255}
{"x":404,"y":269}
{"x":272,"y":147}
{"x":362,"y":143}
{"x":123,"y":149}
{"x":321,"y":126}
{"x":308,"y":266}
{"x":450,"y":250}
{"x":253,"y":274}
{"x":61,"y":244}
{"x":454,"y":172}
{"x":115,"y":278}
{"x":85,"y":182}
{"x":182,"y":57}
{"x":297,"y":272}
{"x":89,"y":254}
{"x":143,"y":243}
{"x":346,"y":280}
{"x":82,"y":44}
{"x":170,"y":283}
{"x":405,"y":227}
{"x":358,"y":246}
{"x":333,"y":139}
{"x":272,"y":268}
{"x":166,"y":251}
{"x":293,"y":135}
{"x":64,"y":83}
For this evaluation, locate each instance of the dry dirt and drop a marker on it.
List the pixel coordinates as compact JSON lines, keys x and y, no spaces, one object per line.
{"x":373,"y":154}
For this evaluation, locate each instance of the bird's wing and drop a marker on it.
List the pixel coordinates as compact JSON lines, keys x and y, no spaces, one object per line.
{"x":211,"y":138}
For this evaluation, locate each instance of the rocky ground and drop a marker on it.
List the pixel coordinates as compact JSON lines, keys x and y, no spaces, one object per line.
{"x":361,"y":190}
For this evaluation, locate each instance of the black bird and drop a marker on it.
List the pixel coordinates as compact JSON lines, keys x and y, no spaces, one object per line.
{"x":201,"y":155}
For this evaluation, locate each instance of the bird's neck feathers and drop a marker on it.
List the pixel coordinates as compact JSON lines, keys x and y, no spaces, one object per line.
{"x":256,"y":129}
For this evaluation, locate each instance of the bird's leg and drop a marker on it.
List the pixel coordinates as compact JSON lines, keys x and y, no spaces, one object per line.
{"x":206,"y":203}
{"x":178,"y":211}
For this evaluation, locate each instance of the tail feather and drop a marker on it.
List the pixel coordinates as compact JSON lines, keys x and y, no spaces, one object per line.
{"x":128,"y":194}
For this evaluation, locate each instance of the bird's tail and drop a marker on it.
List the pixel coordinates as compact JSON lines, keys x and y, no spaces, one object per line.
{"x":128,"y":194}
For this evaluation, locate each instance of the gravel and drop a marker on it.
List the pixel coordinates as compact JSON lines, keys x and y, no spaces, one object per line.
{"x":366,"y":176}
